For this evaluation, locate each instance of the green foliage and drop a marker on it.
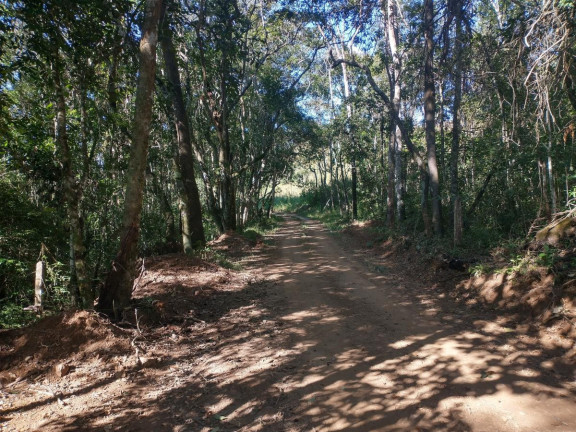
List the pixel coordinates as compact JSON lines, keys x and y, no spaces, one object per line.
{"x":479,"y":269}
{"x":317,"y":198}
{"x":547,"y":257}
{"x":57,"y":295}
{"x":14,"y":274}
{"x":258,"y":228}
{"x":12,"y":315}
{"x":24,"y":227}
{"x":332,"y":220}
{"x":289,"y":204}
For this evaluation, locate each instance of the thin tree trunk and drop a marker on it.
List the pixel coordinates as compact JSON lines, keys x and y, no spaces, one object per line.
{"x":391,"y":185}
{"x":458,"y":229}
{"x":425,"y":191}
{"x":399,"y":177}
{"x":549,"y":166}
{"x":395,"y":189}
{"x":545,"y":199}
{"x":352,"y":142}
{"x":442,"y":150}
{"x":430,"y":116}
{"x":456,"y":130}
{"x":117,"y":290}
{"x":396,"y":89}
{"x":272,"y":197}
{"x":344,"y":188}
{"x":228,"y":187}
{"x":192,"y":227}
{"x":80,"y":283}
{"x":333,"y":176}
{"x":331,"y":168}
{"x":354,"y":189}
{"x":481,"y":192}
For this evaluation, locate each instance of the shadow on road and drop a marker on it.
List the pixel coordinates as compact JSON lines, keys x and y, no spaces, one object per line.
{"x":326,"y":345}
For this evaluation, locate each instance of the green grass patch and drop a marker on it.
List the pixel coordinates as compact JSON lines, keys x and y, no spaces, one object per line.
{"x":332,"y":220}
{"x":259,"y":228}
{"x":289,"y":204}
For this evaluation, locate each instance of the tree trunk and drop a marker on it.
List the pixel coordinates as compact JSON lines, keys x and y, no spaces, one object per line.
{"x":391,"y":187}
{"x":191,"y":211}
{"x":117,"y":290}
{"x":333,"y":175}
{"x":430,"y":116}
{"x":272,"y":197}
{"x":79,"y":274}
{"x":545,"y":199}
{"x":549,"y":169}
{"x":228,"y":190}
{"x":352,"y":141}
{"x":481,"y":192}
{"x":394,"y":70}
{"x":456,"y":129}
{"x":399,"y":177}
{"x":354,"y":190}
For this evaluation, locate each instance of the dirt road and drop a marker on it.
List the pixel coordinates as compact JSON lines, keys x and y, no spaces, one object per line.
{"x":308,"y":340}
{"x":369,"y":353}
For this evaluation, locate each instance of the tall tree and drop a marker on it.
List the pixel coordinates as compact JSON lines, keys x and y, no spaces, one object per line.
{"x":191,"y":209}
{"x":430,"y":118}
{"x":395,"y":164}
{"x":219,"y":27}
{"x":117,"y":290}
{"x":72,"y":193}
{"x":456,"y":123}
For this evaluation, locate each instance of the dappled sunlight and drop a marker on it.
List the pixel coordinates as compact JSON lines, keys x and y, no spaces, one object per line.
{"x":320,"y":315}
{"x":329,"y":348}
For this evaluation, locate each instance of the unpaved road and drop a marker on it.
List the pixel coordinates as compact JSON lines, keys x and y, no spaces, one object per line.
{"x":371,"y":354}
{"x":322,"y":344}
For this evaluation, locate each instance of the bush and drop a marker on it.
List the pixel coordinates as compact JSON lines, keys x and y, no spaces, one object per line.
{"x":24,"y":227}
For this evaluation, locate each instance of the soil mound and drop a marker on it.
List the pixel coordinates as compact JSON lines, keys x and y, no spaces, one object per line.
{"x":235,"y":245}
{"x":69,"y":337}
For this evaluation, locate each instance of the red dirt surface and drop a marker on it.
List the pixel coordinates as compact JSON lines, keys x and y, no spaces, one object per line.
{"x":317,"y":333}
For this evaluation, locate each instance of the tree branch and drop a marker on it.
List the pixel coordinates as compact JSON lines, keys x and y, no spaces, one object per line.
{"x":403,"y":131}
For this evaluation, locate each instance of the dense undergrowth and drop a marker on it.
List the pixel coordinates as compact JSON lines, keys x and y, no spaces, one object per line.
{"x":29,"y":233}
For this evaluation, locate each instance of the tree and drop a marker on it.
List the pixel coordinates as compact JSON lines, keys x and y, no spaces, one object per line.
{"x":395,"y":195}
{"x":117,"y":290}
{"x":430,"y":121}
{"x":191,"y":209}
{"x":456,"y":124}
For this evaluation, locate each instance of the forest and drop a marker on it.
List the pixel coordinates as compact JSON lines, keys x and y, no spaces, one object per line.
{"x":288,"y":215}
{"x":132,"y":129}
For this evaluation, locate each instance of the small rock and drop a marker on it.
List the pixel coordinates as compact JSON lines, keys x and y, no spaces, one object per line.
{"x":148,"y":362}
{"x":61,"y":370}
